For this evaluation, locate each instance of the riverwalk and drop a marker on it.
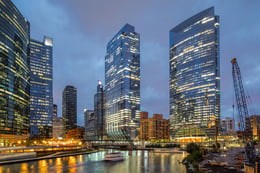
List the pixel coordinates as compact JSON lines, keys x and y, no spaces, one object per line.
{"x":51,"y":156}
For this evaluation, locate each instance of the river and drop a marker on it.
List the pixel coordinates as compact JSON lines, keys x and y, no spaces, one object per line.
{"x":135,"y":162}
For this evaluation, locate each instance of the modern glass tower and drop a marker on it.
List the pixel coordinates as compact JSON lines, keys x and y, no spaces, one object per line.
{"x":122,"y":81}
{"x":99,"y":111}
{"x":14,"y":74}
{"x":195,"y":75}
{"x":41,"y":88}
{"x":69,"y":107}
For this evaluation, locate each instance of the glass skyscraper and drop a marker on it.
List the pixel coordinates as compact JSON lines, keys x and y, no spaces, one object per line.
{"x":69,"y":107}
{"x":99,"y":111}
{"x":41,"y":88}
{"x":14,"y":74}
{"x":122,"y":81}
{"x":195,"y":75}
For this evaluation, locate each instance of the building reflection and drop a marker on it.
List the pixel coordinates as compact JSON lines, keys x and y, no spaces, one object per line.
{"x":24,"y":168}
{"x":43,"y":166}
{"x":72,"y":163}
{"x":80,"y":158}
{"x":137,"y":162}
{"x":59,"y":165}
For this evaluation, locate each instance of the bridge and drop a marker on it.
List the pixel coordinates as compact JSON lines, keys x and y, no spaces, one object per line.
{"x":112,"y":143}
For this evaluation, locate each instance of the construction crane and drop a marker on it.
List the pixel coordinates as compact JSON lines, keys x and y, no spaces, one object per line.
{"x":244,"y":121}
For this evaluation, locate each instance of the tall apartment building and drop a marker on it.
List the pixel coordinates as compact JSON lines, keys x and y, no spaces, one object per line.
{"x":195,"y":75}
{"x":69,"y":107}
{"x":155,"y":128}
{"x":122,"y":81}
{"x":41,"y":88}
{"x":14,"y":74}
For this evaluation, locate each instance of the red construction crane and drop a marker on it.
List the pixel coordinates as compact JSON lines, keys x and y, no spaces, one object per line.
{"x":243,"y":113}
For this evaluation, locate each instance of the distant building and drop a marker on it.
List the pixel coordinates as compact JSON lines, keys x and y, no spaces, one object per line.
{"x":255,"y":125}
{"x":195,"y":76}
{"x":94,"y":120}
{"x":75,"y":134}
{"x":90,"y":125}
{"x":14,"y":74}
{"x":122,"y":80}
{"x":227,"y":125}
{"x":55,"y":110}
{"x":154,"y":128}
{"x":58,"y":128}
{"x":69,"y":107}
{"x":41,"y":88}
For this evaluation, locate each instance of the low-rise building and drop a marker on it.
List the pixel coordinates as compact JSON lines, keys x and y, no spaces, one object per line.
{"x":255,"y":125}
{"x":58,"y":128}
{"x":75,"y":134}
{"x":154,"y":128}
{"x":227,"y":125}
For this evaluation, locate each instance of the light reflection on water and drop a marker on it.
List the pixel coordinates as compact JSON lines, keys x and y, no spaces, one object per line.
{"x":135,"y":162}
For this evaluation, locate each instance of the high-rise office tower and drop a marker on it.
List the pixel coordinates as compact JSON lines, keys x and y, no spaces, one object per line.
{"x":195,"y":75}
{"x":122,"y":81}
{"x":69,"y":107}
{"x":14,"y":74}
{"x":41,"y":88}
{"x":99,"y":111}
{"x":94,"y":120}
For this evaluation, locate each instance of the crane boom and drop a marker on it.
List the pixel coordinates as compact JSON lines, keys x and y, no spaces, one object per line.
{"x":240,"y":94}
{"x":243,"y":112}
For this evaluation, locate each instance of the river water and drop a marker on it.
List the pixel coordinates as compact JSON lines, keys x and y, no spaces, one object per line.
{"x":135,"y":162}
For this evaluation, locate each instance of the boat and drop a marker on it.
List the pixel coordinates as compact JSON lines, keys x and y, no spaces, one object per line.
{"x":116,"y":156}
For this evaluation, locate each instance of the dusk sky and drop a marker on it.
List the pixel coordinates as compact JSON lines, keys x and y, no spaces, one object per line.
{"x":81,"y":30}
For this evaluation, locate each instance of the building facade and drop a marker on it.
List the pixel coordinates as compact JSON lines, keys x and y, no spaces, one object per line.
{"x":41,"y":110}
{"x":227,"y":125}
{"x":122,"y":81}
{"x":77,"y":133}
{"x":155,"y":128}
{"x":90,"y":122}
{"x":69,"y":107}
{"x":58,"y":131}
{"x":14,"y":74}
{"x":255,"y":125}
{"x":195,"y":75}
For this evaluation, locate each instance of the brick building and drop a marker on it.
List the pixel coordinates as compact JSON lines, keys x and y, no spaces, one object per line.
{"x":75,"y":134}
{"x":154,"y":128}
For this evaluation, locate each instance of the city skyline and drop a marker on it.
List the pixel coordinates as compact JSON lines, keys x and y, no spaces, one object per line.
{"x":88,"y":59}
